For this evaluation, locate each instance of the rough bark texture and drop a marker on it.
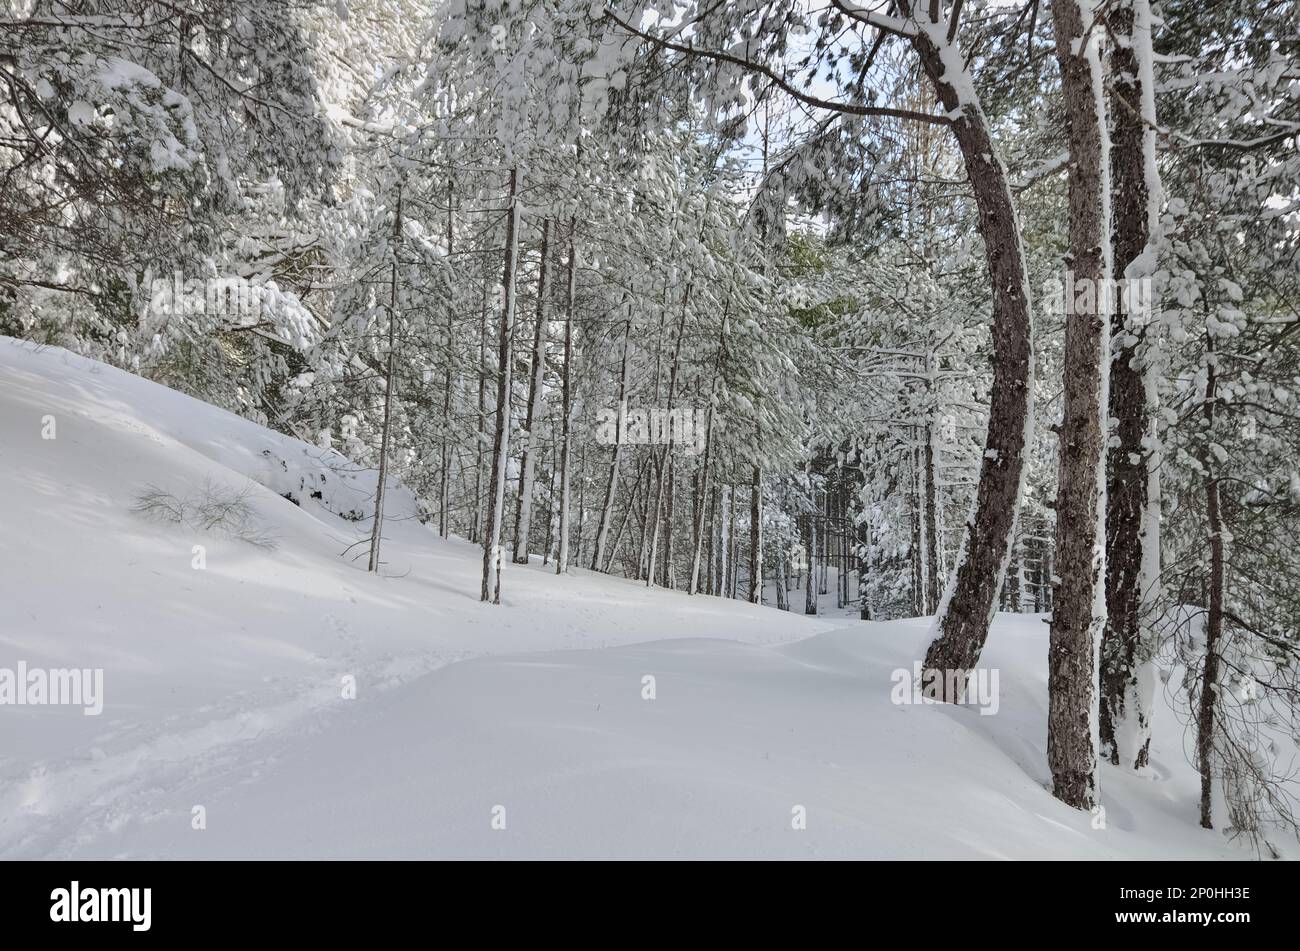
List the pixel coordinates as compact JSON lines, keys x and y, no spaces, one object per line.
{"x":963,"y":625}
{"x":1076,"y":622}
{"x":1125,"y":722}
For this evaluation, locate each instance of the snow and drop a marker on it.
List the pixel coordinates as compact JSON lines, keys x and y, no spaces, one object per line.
{"x":223,"y":688}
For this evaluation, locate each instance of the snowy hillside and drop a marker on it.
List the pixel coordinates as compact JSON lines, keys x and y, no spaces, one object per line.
{"x":225,"y":672}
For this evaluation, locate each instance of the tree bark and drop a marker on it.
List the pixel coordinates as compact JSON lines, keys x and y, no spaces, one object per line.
{"x":566,"y":396}
{"x":931,"y":526}
{"x":611,"y":485}
{"x":377,"y":528}
{"x":1078,"y":618}
{"x":963,"y":622}
{"x":810,"y":543}
{"x":492,"y":554}
{"x":444,"y":467}
{"x":1127,"y":677}
{"x":533,"y":415}
{"x":1205,"y":725}
{"x":756,"y":538}
{"x":481,"y":422}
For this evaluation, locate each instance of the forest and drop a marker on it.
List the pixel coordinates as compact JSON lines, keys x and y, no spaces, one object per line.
{"x":861,"y":309}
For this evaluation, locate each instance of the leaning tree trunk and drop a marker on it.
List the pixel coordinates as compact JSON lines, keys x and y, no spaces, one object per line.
{"x":492,"y":555}
{"x":532,"y":447}
{"x":1079,"y":616}
{"x":566,"y":397}
{"x":971,"y":599}
{"x":1127,"y":678}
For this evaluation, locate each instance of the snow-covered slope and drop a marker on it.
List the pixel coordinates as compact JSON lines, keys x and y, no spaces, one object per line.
{"x":224,"y":684}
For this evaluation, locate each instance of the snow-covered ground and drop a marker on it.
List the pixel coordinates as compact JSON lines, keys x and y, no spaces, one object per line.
{"x":224,"y":685}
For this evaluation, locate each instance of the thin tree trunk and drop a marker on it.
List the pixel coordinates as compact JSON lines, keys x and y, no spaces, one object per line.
{"x":480,"y":435}
{"x":377,"y":529}
{"x":810,"y":542}
{"x":1205,"y":725}
{"x":627,"y":514}
{"x":492,"y":554}
{"x":666,"y":470}
{"x":824,"y":549}
{"x":1014,"y":579}
{"x":916,"y":517}
{"x":566,"y":439}
{"x":611,"y":486}
{"x":729,"y":545}
{"x":932,"y":571}
{"x":756,"y":538}
{"x":533,"y":416}
{"x":444,"y":487}
{"x":697,"y":533}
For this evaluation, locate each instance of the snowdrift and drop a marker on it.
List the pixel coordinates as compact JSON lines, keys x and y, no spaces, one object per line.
{"x":264,"y":696}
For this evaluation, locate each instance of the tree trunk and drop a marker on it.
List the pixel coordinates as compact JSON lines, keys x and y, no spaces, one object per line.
{"x":733,"y":548}
{"x":705,"y":491}
{"x":916,"y":517}
{"x":566,"y":438}
{"x":611,"y":486}
{"x":1079,"y":615}
{"x":931,"y":526}
{"x":663,"y":502}
{"x":1205,"y":725}
{"x":1127,"y":678}
{"x":492,"y":554}
{"x":377,"y":529}
{"x":480,"y":434}
{"x":756,"y":538}
{"x":1014,"y":579}
{"x":444,"y":468}
{"x":810,"y":543}
{"x":963,"y":623}
{"x":533,"y":416}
